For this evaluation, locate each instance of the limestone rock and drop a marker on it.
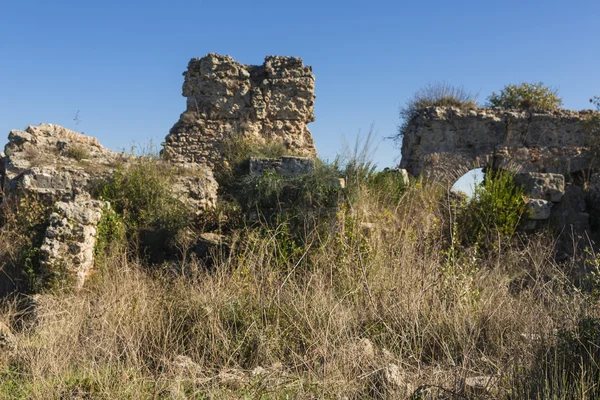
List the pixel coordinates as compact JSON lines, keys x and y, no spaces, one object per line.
{"x":545,"y":186}
{"x":211,"y":246}
{"x":197,"y":187}
{"x":439,"y":140}
{"x":288,"y":166}
{"x":271,"y":102}
{"x":539,"y":209}
{"x":52,"y":160}
{"x":71,"y":237}
{"x":571,"y":212}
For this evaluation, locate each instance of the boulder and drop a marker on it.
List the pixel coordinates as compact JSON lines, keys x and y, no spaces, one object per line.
{"x":546,"y":186}
{"x":539,"y":209}
{"x":68,"y":246}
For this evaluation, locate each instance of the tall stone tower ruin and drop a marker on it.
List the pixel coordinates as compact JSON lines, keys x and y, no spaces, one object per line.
{"x":270,"y":102}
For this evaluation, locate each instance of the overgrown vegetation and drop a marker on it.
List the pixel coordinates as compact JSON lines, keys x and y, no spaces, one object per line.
{"x":77,"y":152}
{"x":526,"y":96}
{"x":23,"y":223}
{"x":492,"y":216}
{"x":141,"y":193}
{"x":238,"y":150}
{"x":393,"y":293}
{"x":438,"y":94}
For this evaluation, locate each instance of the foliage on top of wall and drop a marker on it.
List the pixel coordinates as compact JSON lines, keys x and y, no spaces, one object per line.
{"x":526,"y":96}
{"x":436,"y":94}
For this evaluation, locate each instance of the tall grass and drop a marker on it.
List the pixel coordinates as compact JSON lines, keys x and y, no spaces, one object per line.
{"x":375,"y":302}
{"x":331,"y":318}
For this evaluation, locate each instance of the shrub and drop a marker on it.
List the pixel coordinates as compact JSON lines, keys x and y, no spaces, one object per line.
{"x":23,"y":223}
{"x":141,"y":194}
{"x":77,"y":152}
{"x":494,"y":212}
{"x":239,"y":149}
{"x":439,"y":94}
{"x":315,"y":189}
{"x":526,"y":96}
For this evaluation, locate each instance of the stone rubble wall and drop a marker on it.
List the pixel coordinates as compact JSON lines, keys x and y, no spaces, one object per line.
{"x":71,"y":237}
{"x":61,"y":167}
{"x":440,"y":141}
{"x":271,"y":102}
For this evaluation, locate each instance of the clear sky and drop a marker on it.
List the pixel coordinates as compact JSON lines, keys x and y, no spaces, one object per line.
{"x":120,"y":62}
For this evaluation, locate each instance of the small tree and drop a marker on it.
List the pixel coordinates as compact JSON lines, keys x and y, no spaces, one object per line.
{"x":534,"y":96}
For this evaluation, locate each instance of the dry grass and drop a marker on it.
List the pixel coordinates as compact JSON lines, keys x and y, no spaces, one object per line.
{"x":334,"y":316}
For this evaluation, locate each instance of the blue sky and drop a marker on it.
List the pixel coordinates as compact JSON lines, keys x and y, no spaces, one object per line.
{"x":120,"y":62}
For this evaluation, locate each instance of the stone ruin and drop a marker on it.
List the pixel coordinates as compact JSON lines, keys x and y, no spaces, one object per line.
{"x":266,"y":103}
{"x":542,"y":148}
{"x":61,"y":167}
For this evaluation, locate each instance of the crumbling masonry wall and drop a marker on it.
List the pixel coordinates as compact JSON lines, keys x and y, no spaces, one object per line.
{"x":271,"y":102}
{"x":541,"y":148}
{"x":447,"y":141}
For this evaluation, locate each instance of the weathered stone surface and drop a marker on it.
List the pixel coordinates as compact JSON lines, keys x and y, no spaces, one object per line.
{"x":52,"y":160}
{"x":544,"y":186}
{"x":439,"y":141}
{"x":197,"y":188}
{"x":288,"y":166}
{"x":271,"y":102}
{"x":539,"y":209}
{"x":71,"y":236}
{"x":571,"y":213}
{"x":63,"y":166}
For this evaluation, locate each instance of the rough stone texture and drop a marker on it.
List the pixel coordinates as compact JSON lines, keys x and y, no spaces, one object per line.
{"x":539,"y":209}
{"x":438,"y":142}
{"x":71,"y":237}
{"x":571,"y":213}
{"x":197,"y":188}
{"x":63,"y":166}
{"x":550,"y":187}
{"x":271,"y":102}
{"x":42,"y":159}
{"x":288,"y":166}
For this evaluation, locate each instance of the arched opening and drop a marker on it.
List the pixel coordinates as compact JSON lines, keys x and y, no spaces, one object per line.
{"x":467,"y":182}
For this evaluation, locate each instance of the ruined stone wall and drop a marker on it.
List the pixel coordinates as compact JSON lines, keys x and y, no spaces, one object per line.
{"x":441,"y":141}
{"x":271,"y":102}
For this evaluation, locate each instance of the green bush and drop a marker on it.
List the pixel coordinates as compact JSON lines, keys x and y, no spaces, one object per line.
{"x":494,"y":212}
{"x":526,"y":96}
{"x":141,"y":194}
{"x":238,"y":150}
{"x":23,"y":224}
{"x":267,"y":191}
{"x":389,"y":185}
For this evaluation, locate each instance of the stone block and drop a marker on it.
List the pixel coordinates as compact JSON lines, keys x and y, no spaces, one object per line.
{"x":537,"y":185}
{"x":539,"y":209}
